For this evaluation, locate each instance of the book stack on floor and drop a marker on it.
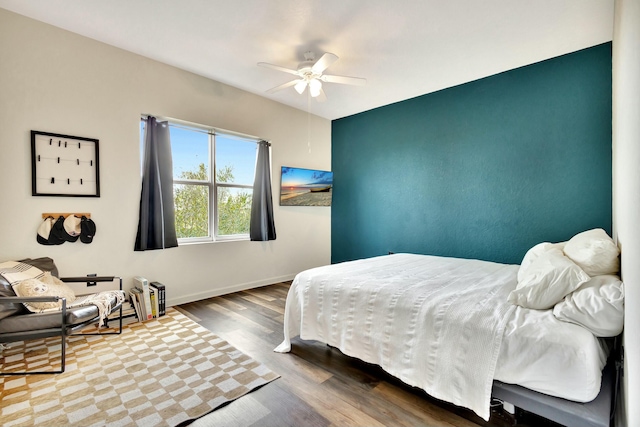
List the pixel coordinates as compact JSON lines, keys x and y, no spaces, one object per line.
{"x":148,"y":299}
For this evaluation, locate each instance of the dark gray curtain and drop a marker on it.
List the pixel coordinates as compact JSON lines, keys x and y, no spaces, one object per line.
{"x":156,"y":226}
{"x":262,"y":227}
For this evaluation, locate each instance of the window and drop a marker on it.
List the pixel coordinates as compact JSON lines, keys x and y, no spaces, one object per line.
{"x":211,"y":206}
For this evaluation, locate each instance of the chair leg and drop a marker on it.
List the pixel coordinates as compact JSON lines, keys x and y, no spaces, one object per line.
{"x":63,"y":350}
{"x":63,"y":354}
{"x":106,"y":323}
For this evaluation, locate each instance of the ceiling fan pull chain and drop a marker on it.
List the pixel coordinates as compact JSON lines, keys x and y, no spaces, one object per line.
{"x":309,"y":121}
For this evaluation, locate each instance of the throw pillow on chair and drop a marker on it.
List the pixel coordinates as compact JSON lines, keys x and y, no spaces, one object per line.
{"x":47,"y":285}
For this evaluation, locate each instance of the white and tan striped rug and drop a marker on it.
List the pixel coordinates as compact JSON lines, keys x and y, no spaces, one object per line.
{"x":162,"y":372}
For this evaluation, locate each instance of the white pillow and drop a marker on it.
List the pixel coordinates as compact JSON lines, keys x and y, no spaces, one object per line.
{"x":547,"y":280}
{"x":47,"y":285}
{"x":598,"y":305}
{"x":534,"y":253}
{"x":594,"y":251}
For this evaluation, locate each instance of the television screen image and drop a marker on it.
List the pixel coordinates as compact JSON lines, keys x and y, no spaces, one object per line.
{"x":305,"y":187}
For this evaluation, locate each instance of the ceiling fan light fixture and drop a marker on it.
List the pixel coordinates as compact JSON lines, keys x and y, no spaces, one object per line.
{"x":310,"y":73}
{"x":315,"y":86}
{"x":300,"y":86}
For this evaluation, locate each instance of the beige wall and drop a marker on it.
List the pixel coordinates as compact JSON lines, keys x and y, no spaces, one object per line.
{"x":55,"y":81}
{"x":626,"y":191}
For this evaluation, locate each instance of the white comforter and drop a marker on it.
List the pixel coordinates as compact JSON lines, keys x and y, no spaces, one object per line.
{"x":447,"y":343}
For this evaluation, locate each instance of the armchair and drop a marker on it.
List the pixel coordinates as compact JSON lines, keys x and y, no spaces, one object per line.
{"x":19,"y":324}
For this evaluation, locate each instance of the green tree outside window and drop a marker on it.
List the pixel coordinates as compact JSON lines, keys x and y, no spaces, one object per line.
{"x":192,"y":205}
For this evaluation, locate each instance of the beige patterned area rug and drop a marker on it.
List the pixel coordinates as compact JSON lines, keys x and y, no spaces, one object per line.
{"x":162,"y":372}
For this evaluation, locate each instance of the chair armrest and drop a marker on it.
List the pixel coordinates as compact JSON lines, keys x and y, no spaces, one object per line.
{"x":91,"y":282}
{"x":89,"y":279}
{"x":31,"y":299}
{"x":20,"y":300}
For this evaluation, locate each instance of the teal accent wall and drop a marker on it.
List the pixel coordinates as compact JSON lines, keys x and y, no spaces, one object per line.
{"x":482,"y":170}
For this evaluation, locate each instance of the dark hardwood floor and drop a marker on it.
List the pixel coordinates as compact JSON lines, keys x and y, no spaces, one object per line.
{"x":319,"y":386}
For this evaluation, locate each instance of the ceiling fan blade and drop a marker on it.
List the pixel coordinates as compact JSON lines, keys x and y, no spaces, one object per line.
{"x":321,"y":96}
{"x":344,"y":80}
{"x":323,"y":63}
{"x":284,"y":86}
{"x":277,"y":67}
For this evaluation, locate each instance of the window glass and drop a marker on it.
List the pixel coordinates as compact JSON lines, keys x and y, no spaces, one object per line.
{"x":235,"y":159}
{"x":192,"y":210}
{"x":190,"y":153}
{"x":234,"y":210}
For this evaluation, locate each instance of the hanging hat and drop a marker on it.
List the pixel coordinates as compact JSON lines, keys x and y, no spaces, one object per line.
{"x":56,"y":235}
{"x":87,"y":230}
{"x":71,"y":228}
{"x":43,"y":231}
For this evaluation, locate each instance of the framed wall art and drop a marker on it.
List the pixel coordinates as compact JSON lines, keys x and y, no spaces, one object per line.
{"x":305,"y":187}
{"x":64,"y":165}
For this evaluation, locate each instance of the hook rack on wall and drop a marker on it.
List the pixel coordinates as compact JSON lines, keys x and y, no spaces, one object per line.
{"x":65,"y":214}
{"x":59,"y":227}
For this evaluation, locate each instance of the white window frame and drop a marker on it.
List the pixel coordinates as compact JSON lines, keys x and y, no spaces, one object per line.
{"x":212,"y":183}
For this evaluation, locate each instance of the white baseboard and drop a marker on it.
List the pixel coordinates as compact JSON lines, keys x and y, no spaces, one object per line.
{"x":183,"y":299}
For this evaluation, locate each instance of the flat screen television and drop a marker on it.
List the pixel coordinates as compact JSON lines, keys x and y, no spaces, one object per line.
{"x":305,"y":187}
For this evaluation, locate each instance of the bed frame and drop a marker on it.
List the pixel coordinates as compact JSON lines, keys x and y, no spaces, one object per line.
{"x":597,"y":413}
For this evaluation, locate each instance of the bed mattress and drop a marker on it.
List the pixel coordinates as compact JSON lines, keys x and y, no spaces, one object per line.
{"x":557,"y":358}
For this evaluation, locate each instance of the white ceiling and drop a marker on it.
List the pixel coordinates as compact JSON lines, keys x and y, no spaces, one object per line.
{"x":404,"y":48}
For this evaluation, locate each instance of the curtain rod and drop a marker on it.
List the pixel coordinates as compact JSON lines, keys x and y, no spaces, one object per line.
{"x":196,"y":128}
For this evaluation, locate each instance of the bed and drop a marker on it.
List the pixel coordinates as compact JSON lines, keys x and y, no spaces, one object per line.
{"x":452,"y":326}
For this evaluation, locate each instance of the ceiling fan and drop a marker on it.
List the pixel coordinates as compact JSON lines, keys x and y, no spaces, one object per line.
{"x":310,"y":75}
